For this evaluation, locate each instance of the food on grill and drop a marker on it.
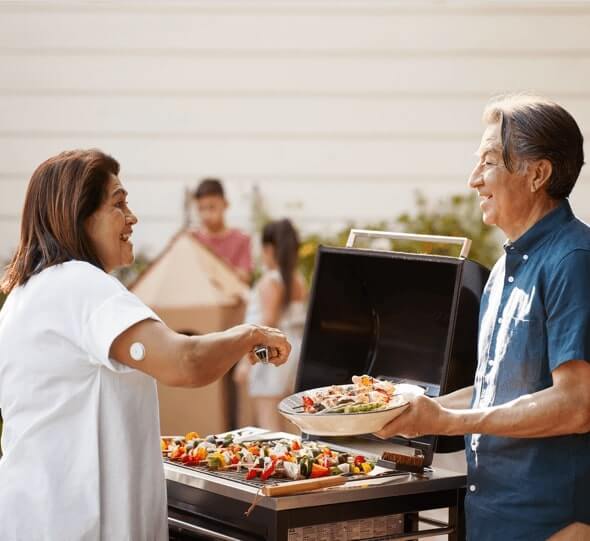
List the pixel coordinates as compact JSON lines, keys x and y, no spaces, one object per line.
{"x":365,"y":394}
{"x":262,"y":460}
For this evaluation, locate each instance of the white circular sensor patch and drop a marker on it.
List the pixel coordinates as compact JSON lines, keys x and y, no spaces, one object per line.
{"x":137,"y":351}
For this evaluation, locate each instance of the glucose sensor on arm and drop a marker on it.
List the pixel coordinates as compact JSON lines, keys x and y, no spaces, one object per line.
{"x":137,"y":351}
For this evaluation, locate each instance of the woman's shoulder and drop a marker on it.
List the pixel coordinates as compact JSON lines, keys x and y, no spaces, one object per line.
{"x":79,"y":277}
{"x":77,"y":268}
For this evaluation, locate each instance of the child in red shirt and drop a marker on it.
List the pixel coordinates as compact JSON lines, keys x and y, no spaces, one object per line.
{"x":231,"y":245}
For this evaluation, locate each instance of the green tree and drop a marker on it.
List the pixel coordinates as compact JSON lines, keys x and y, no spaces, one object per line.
{"x":456,"y":216}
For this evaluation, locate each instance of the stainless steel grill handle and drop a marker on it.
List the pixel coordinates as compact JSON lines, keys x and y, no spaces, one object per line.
{"x":392,"y":235}
{"x":205,"y":533}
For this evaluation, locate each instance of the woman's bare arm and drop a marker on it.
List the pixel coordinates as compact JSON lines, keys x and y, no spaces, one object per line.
{"x":194,"y":361}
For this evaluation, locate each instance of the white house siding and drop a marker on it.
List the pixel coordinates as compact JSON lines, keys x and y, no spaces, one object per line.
{"x":337,"y":111}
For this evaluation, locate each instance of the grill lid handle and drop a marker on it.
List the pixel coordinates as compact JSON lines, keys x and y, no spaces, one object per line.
{"x":392,"y":235}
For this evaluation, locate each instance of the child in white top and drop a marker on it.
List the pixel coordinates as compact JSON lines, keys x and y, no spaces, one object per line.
{"x":278,"y":299}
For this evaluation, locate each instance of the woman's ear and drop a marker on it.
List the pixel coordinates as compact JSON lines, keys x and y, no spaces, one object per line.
{"x":540,"y":174}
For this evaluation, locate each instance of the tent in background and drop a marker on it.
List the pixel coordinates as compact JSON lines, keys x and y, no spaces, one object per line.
{"x":194,"y":292}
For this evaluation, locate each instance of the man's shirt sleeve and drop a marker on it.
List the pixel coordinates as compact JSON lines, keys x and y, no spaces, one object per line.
{"x":568,"y":310}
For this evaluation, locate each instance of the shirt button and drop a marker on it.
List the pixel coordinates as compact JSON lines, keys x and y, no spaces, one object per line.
{"x":491,"y":362}
{"x":525,"y":257}
{"x":511,"y":279}
{"x":472,"y":488}
{"x":499,"y":320}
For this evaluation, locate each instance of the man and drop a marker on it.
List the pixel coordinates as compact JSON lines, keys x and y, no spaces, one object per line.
{"x":231,"y":245}
{"x":527,"y":416}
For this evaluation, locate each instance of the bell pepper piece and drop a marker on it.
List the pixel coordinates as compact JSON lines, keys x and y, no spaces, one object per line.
{"x":319,"y":471}
{"x":269,"y":470}
{"x":252,"y":474}
{"x":308,"y":405}
{"x":215,"y":461}
{"x":305,"y":466}
{"x":366,"y":467}
{"x":177,"y":453}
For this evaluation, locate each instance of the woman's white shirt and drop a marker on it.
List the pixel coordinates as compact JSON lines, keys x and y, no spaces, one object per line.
{"x":81,"y":431}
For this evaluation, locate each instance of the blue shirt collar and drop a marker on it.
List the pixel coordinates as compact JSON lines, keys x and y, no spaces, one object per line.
{"x":539,"y":232}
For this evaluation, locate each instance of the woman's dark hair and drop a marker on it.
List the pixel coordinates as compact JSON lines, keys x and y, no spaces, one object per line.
{"x":535,"y":128}
{"x":62,"y":193}
{"x":284,"y":238}
{"x":207,"y":187}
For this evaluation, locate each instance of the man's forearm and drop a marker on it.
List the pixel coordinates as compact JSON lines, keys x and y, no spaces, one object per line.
{"x":550,"y":412}
{"x":460,"y":399}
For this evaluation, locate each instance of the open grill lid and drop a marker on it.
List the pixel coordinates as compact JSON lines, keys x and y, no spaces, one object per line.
{"x":399,"y":316}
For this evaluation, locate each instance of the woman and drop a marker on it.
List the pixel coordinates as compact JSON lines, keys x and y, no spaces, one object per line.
{"x":79,"y":356}
{"x":279,"y":298}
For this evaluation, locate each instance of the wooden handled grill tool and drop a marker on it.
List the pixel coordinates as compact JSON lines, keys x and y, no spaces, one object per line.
{"x":401,"y":462}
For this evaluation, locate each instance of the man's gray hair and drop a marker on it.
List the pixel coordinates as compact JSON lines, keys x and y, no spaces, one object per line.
{"x":535,"y":128}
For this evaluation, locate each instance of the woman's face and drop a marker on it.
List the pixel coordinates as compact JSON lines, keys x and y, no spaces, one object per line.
{"x":110,"y":227}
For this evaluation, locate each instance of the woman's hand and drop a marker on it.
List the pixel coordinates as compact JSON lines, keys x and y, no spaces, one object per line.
{"x":423,"y":416}
{"x":276,"y":342}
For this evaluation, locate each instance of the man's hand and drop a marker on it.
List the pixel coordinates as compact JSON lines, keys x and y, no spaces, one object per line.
{"x":574,"y":532}
{"x":563,"y":408}
{"x":423,"y":416}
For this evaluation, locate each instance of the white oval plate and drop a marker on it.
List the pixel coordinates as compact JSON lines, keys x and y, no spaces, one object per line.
{"x":346,"y":424}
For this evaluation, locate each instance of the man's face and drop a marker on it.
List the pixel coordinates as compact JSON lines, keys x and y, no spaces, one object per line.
{"x":211,"y":210}
{"x":506,"y":198}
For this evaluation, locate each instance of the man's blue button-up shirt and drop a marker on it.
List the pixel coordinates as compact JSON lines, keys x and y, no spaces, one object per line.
{"x":534,"y":316}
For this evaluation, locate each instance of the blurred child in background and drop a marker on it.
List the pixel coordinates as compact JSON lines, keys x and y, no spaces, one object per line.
{"x":279,"y":299}
{"x":231,"y":245}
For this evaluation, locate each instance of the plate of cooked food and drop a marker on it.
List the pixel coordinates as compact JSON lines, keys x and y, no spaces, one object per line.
{"x":362,"y":407}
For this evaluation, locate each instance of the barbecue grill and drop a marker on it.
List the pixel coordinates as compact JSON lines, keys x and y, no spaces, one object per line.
{"x":205,"y":504}
{"x":400,"y":316}
{"x":393,"y":315}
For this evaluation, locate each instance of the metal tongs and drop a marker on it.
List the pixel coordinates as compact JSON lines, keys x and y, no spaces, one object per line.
{"x":262,"y":353}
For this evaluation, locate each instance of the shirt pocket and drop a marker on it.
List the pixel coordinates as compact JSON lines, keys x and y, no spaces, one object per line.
{"x":522,"y":358}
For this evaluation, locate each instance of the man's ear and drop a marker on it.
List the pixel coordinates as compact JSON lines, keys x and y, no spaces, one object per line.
{"x":225,"y":203}
{"x":540,"y":172}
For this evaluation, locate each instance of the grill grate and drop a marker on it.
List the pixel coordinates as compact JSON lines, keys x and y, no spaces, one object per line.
{"x":237,"y":477}
{"x":240,"y":477}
